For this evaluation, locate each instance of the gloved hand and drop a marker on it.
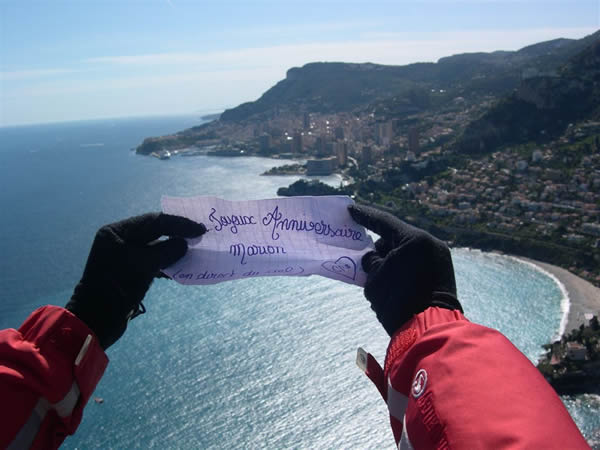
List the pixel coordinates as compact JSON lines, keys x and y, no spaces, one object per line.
{"x":124,"y":259}
{"x":409,"y":271}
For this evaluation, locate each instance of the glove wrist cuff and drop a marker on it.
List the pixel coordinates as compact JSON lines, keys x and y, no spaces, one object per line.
{"x":99,"y":315}
{"x":446,"y":300}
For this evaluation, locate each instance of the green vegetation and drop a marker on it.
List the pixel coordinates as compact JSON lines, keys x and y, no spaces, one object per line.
{"x":288,"y":169}
{"x":542,"y":108}
{"x":312,"y":187}
{"x":184,"y":139}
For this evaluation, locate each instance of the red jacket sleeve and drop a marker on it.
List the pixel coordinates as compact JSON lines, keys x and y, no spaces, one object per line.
{"x":452,"y":384}
{"x":49,"y":368}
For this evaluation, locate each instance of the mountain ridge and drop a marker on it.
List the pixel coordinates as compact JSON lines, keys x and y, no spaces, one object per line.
{"x":336,"y":87}
{"x":389,"y":91}
{"x":542,"y":107}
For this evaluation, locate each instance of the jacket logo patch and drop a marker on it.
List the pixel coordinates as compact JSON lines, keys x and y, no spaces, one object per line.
{"x":419,"y":383}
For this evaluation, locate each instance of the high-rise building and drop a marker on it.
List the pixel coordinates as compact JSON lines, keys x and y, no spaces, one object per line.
{"x":339,"y":133}
{"x":413,"y":140}
{"x":384,"y":133}
{"x":265,"y":142}
{"x":287,"y":145}
{"x":306,"y":121}
{"x":297,"y":145}
{"x":340,"y":150}
{"x":329,"y":149}
{"x":321,"y":146}
{"x":366,"y":155}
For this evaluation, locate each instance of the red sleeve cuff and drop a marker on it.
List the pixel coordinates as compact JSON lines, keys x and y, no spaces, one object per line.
{"x":407,"y":335}
{"x":68,"y":353}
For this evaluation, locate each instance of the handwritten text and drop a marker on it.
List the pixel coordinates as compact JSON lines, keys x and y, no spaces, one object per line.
{"x":233,"y":220}
{"x":278,"y":222}
{"x":242,"y":250}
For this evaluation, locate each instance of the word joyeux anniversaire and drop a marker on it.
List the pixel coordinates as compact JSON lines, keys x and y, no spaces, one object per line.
{"x":278,"y":222}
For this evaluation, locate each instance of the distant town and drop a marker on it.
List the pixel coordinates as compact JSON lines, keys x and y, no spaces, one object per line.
{"x":498,"y":151}
{"x":572,"y":364}
{"x":550,"y":191}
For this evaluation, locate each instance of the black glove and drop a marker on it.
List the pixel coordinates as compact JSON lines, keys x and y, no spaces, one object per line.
{"x":409,"y":271}
{"x":124,"y":259}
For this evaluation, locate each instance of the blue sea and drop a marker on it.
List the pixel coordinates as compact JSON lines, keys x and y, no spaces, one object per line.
{"x":257,"y":363}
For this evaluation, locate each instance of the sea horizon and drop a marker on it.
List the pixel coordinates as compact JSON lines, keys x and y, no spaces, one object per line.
{"x":198,"y":115}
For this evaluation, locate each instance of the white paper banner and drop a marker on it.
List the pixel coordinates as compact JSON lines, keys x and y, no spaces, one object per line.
{"x":291,"y":236}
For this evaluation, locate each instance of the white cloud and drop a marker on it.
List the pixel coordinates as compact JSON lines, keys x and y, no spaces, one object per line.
{"x":178,"y":82}
{"x":384,"y":48}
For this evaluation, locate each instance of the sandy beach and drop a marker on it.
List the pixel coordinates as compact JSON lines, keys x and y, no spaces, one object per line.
{"x":584,"y":297}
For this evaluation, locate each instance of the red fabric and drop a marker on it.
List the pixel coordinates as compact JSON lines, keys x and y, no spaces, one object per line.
{"x":375,"y":374}
{"x":38,"y":361}
{"x":480,"y":390}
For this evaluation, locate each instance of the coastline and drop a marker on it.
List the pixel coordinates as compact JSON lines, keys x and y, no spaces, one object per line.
{"x":580,"y":297}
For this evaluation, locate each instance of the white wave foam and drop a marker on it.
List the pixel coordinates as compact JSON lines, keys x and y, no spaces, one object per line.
{"x":565,"y":302}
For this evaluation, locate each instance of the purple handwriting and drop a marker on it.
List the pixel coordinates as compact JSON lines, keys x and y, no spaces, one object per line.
{"x":232,"y":221}
{"x":206,"y":275}
{"x":243,"y":250}
{"x":278,"y":222}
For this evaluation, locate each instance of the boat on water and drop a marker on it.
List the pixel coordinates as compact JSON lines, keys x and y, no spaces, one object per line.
{"x":163,"y":154}
{"x":226,"y":152}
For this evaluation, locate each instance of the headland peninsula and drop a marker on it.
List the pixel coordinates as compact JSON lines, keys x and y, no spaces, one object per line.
{"x":497,"y":151}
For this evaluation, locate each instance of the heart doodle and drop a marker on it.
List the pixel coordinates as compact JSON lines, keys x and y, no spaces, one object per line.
{"x":343,"y":266}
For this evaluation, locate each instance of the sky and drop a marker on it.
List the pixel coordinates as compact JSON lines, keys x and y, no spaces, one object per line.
{"x":78,"y":60}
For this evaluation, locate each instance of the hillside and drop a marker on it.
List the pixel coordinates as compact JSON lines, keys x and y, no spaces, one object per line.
{"x":405,"y":91}
{"x":518,"y":174}
{"x":542,"y":107}
{"x":336,"y":87}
